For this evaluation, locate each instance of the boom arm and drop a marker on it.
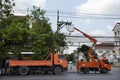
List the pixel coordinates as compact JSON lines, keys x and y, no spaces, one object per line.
{"x":91,"y":39}
{"x":86,"y":35}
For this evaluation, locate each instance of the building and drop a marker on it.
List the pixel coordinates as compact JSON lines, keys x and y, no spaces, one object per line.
{"x":116,"y":31}
{"x":104,"y":49}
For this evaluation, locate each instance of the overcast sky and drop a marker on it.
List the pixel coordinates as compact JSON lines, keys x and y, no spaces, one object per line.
{"x":94,"y":26}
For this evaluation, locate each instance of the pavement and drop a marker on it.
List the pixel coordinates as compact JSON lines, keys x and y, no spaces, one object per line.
{"x":112,"y":75}
{"x":116,"y":65}
{"x":71,"y":67}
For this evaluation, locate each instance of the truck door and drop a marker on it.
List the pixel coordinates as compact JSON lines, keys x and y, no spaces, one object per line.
{"x":63,"y":61}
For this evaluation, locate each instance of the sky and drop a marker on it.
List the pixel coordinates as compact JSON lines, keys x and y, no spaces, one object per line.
{"x":87,"y":15}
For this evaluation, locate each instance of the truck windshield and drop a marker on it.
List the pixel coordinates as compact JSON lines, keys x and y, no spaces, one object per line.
{"x":61,"y":57}
{"x":106,"y":61}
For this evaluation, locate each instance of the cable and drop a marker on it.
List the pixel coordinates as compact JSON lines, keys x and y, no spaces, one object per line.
{"x":89,"y":14}
{"x":65,"y":14}
{"x":96,"y":36}
{"x":83,"y":17}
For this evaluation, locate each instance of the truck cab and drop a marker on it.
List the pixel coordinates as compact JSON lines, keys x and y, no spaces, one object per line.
{"x":104,"y":65}
{"x":61,"y":60}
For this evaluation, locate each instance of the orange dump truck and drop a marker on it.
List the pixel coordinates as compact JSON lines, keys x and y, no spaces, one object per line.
{"x":56,"y":63}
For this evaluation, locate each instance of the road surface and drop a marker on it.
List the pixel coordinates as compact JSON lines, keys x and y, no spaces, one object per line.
{"x":70,"y":75}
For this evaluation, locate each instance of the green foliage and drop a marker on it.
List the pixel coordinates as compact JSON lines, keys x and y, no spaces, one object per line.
{"x":6,"y":17}
{"x":17,"y":36}
{"x":70,"y":57}
{"x":6,"y":12}
{"x":84,"y":49}
{"x":44,"y":40}
{"x":40,"y":33}
{"x":95,"y":55}
{"x":59,"y":40}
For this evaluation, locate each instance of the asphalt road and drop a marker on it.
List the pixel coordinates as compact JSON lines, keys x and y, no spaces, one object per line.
{"x":70,"y":75}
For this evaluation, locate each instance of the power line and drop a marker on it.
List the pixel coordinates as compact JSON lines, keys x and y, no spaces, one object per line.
{"x":62,"y":12}
{"x":82,"y":39}
{"x":84,"y":17}
{"x":69,"y":13}
{"x":96,"y":36}
{"x":87,"y":16}
{"x":66,"y":14}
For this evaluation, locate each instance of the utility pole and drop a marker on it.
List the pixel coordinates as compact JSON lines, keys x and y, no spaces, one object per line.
{"x":0,"y":10}
{"x":57,"y":20}
{"x":27,"y":12}
{"x":61,"y":24}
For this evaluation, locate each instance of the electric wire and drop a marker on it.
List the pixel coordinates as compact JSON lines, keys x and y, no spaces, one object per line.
{"x":53,"y":13}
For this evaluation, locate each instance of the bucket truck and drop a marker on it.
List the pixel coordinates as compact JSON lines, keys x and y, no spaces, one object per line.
{"x":102,"y":65}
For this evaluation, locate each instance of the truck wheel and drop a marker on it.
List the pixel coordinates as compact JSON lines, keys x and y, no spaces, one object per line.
{"x":104,"y":70}
{"x":57,"y":71}
{"x":23,"y":70}
{"x":1,"y":72}
{"x":85,"y":70}
{"x":101,"y":71}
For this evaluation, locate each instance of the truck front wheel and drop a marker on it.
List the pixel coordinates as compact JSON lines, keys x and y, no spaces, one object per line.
{"x":23,"y":70}
{"x":104,"y":70}
{"x":1,"y":72}
{"x":86,"y":70}
{"x":57,"y":70}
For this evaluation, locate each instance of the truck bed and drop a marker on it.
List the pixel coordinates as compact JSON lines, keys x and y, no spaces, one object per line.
{"x":14,"y":63}
{"x":88,"y":64}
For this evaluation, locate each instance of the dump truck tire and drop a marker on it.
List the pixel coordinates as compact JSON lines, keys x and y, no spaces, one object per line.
{"x":86,"y":70}
{"x":23,"y":70}
{"x":57,"y":70}
{"x":1,"y":72}
{"x":104,"y":70}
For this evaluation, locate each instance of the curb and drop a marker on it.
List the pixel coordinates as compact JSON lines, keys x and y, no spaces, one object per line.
{"x":116,"y":65}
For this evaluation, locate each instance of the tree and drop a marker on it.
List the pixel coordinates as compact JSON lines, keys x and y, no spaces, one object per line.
{"x":70,"y":57}
{"x":40,"y":33}
{"x":15,"y":36}
{"x":84,"y":49}
{"x":5,"y":12}
{"x":43,"y":38}
{"x":6,"y":17}
{"x":59,"y":41}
